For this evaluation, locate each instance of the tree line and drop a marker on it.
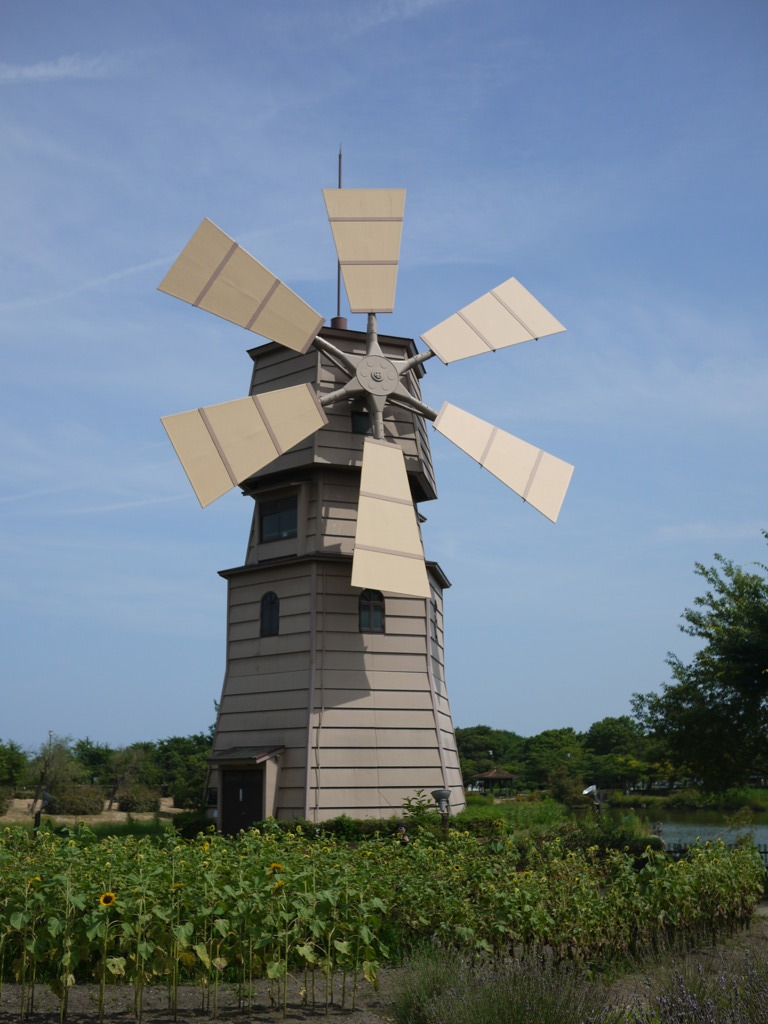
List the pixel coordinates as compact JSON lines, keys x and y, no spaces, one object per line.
{"x":82,"y":774}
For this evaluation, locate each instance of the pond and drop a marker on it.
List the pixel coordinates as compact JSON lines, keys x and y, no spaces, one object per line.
{"x":686,"y":826}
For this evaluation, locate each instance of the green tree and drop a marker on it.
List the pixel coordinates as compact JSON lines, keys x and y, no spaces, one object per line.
{"x":622,"y":735}
{"x":183,"y":762}
{"x":617,"y":751}
{"x":551,"y":750}
{"x":713,"y":718}
{"x":95,"y":760}
{"x":14,"y":765}
{"x":55,"y":770}
{"x":481,"y":748}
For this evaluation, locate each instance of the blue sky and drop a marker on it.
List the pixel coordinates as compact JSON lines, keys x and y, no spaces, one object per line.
{"x":611,"y":156}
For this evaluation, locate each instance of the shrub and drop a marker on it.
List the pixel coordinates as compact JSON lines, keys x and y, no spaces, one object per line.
{"x":479,"y":800}
{"x":136,"y":799}
{"x":442,"y":986}
{"x":190,"y":823}
{"x":76,"y":800}
{"x":5,"y":800}
{"x":188,"y":798}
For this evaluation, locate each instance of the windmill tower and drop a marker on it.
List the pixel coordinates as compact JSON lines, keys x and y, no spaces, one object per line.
{"x":334,"y":697}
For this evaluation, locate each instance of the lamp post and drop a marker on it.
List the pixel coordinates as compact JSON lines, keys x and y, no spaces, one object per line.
{"x":442,"y":798}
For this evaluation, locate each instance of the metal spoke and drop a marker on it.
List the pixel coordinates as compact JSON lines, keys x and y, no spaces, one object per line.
{"x":341,"y":359}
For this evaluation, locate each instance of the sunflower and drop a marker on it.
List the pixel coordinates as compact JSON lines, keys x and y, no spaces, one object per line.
{"x":277,"y":884}
{"x":274,"y":867}
{"x":107,"y":899}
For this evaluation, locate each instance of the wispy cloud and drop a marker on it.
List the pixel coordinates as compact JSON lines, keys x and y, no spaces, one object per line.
{"x":68,"y":66}
{"x":386,"y":11}
{"x":84,"y":286}
{"x":121,"y":505}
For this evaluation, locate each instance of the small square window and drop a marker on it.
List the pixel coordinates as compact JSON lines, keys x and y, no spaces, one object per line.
{"x":278,"y":519}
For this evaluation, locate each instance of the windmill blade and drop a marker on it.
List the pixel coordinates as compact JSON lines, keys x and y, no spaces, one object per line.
{"x":216,"y":274}
{"x":367,"y":224}
{"x":388,"y":551}
{"x":539,"y":478}
{"x":220,"y":446}
{"x":504,"y":316}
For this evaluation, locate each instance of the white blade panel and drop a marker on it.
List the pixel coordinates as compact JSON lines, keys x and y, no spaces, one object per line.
{"x":220,"y":446}
{"x":504,"y":316}
{"x":388,"y":551}
{"x":367,"y":226}
{"x":539,"y":478}
{"x":216,"y":274}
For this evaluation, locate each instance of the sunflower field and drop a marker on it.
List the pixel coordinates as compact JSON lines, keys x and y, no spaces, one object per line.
{"x":140,"y":911}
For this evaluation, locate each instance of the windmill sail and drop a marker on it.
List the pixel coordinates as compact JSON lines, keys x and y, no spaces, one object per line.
{"x":220,"y":446}
{"x":388,"y":551}
{"x":367,"y":224}
{"x":216,"y":274}
{"x":504,"y":316}
{"x":539,"y":478}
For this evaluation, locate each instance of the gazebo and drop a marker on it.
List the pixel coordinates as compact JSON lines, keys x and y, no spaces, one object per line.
{"x":494,"y":781}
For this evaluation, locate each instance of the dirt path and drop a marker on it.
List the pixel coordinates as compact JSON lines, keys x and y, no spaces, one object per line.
{"x":371,"y":1006}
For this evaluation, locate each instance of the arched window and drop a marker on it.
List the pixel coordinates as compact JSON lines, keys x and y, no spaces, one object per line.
{"x":270,"y":614}
{"x":371,"y":611}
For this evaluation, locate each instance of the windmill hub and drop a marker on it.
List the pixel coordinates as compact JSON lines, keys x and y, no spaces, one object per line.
{"x":377,"y":375}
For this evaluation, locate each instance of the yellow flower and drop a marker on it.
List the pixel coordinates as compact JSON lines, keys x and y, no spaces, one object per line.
{"x":274,"y":867}
{"x":206,"y":846}
{"x":277,"y":884}
{"x":107,"y":899}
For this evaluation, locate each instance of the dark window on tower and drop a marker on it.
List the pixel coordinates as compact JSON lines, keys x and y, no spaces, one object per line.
{"x":270,"y":614}
{"x":361,"y":422}
{"x":278,"y":519}
{"x":371,"y":611}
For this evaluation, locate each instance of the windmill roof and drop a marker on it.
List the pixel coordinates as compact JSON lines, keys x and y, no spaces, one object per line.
{"x":256,"y":754}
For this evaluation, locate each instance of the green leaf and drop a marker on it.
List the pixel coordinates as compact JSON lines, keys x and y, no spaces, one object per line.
{"x":116,"y":965}
{"x":370,"y":973}
{"x":202,"y":952}
{"x":56,"y":926}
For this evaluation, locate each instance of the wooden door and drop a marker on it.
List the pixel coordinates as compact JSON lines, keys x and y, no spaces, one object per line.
{"x":242,"y":798}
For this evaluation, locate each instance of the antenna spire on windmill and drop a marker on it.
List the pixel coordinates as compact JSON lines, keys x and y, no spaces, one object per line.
{"x":334,"y":697}
{"x":339,"y":320}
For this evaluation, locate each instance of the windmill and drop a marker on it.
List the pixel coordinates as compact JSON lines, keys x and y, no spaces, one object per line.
{"x":334,"y":698}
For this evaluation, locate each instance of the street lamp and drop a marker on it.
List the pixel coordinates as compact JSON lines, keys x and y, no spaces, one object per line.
{"x":442,"y":798}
